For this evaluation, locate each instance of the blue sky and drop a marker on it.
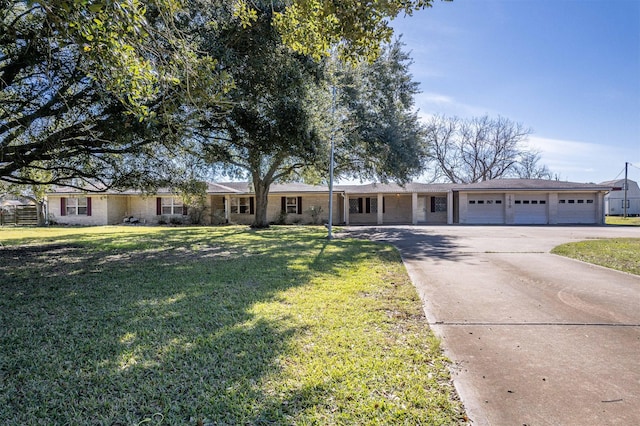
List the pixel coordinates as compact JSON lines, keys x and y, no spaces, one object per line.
{"x":568,"y":69}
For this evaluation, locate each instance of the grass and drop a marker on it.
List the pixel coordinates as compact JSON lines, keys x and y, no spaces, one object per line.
{"x":619,"y":220}
{"x":622,"y":254}
{"x":203,"y":326}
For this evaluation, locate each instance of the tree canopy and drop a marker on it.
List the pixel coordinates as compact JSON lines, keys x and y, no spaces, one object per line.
{"x":106,"y":91}
{"x":481,"y":148}
{"x":280,"y":124}
{"x":84,"y":96}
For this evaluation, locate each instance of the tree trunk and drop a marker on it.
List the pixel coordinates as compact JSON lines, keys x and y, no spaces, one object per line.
{"x":261,"y":188}
{"x":40,"y":213}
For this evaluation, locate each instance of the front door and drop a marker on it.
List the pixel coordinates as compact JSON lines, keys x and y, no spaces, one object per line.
{"x":422,"y":208}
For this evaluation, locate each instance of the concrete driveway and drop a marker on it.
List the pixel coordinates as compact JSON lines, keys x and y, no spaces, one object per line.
{"x":536,"y":339}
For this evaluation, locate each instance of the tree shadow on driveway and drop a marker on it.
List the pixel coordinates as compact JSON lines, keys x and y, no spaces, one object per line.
{"x":414,"y":243}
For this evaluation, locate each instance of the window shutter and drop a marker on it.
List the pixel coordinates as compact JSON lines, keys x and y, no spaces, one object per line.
{"x":433,"y":204}
{"x":63,"y":206}
{"x":185,"y":210}
{"x":283,"y":204}
{"x":251,"y":205}
{"x":383,"y":206}
{"x":367,"y":205}
{"x":299,"y":205}
{"x":88,"y":206}
{"x":158,"y":206}
{"x":359,"y":205}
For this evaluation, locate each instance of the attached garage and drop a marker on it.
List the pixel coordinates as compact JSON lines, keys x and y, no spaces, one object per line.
{"x":576,"y":208}
{"x":485,"y":209}
{"x":529,"y":202}
{"x":530,"y":209}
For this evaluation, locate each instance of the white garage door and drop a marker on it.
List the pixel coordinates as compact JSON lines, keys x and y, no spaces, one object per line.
{"x":485,"y":209}
{"x":530,"y":210}
{"x":577,"y":208}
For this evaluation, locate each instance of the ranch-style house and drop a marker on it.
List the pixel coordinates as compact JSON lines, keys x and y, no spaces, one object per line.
{"x":499,"y":201}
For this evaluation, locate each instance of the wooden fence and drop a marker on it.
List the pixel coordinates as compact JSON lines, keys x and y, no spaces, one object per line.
{"x":19,"y":215}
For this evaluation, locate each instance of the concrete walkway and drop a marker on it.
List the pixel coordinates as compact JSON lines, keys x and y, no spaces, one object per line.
{"x":536,"y":339}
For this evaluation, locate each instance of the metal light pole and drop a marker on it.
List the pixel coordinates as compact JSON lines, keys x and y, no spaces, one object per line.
{"x":626,"y":186}
{"x":333,"y":113}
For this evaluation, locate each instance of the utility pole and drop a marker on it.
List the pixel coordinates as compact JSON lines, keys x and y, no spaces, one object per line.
{"x":626,"y":187}
{"x":333,"y":113}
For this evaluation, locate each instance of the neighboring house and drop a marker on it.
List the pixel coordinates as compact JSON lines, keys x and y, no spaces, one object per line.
{"x":614,"y":201}
{"x":500,"y":201}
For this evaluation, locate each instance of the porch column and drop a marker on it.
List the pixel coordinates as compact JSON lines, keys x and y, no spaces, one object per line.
{"x":227,"y":207}
{"x":414,"y":208}
{"x":380,"y":209}
{"x":346,"y":209}
{"x":450,"y":208}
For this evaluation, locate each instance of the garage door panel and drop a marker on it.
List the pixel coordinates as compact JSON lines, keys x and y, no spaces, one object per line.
{"x":485,"y":209}
{"x":530,"y":209}
{"x":576,"y":208}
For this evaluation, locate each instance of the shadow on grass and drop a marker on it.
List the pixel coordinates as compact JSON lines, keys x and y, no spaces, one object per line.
{"x":119,"y":329}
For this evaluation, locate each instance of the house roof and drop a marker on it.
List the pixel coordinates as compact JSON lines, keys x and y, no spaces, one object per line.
{"x":231,"y":188}
{"x":530,"y":185}
{"x":394,"y":188}
{"x":246,"y":188}
{"x":67,"y":190}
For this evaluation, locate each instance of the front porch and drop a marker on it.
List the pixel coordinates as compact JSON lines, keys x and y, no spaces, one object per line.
{"x":398,"y":208}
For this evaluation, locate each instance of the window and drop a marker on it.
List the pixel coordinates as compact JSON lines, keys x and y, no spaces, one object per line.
{"x":292,"y":205}
{"x":518,"y":202}
{"x":580,"y":201}
{"x":534,"y":201}
{"x":543,"y":202}
{"x":525,"y":202}
{"x":572,"y":201}
{"x":562,"y":201}
{"x":364,"y":205}
{"x":498,"y":201}
{"x":171,"y":205}
{"x":241,"y":205}
{"x":489,"y":201}
{"x":372,"y":205}
{"x":480,"y":201}
{"x":472,"y":201}
{"x":438,"y":204}
{"x":76,"y":206}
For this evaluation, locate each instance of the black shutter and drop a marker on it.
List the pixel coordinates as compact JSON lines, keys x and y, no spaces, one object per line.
{"x":283,"y":204}
{"x":433,"y":204}
{"x":88,"y":206}
{"x":383,"y":205}
{"x":158,"y":206}
{"x":367,"y":205}
{"x":251,"y":205}
{"x":299,"y":205}
{"x":359,"y":205}
{"x":63,"y":206}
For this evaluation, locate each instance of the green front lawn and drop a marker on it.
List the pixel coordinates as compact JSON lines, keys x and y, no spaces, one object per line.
{"x":622,"y":254}
{"x":619,"y":220}
{"x":225,"y":326}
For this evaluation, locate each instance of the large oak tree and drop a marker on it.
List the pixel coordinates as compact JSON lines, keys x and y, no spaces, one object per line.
{"x":99,"y":90}
{"x":280,"y":123}
{"x":83,"y":98}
